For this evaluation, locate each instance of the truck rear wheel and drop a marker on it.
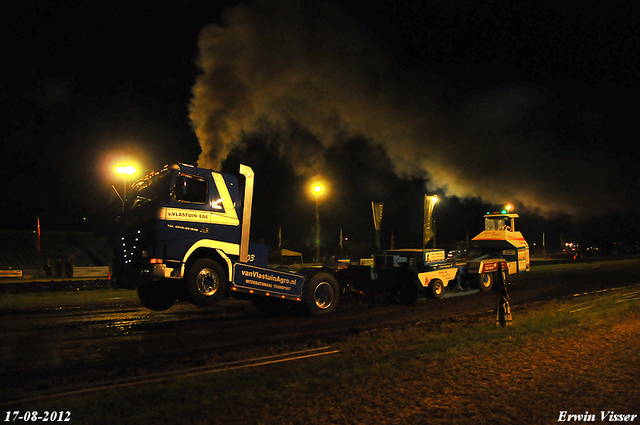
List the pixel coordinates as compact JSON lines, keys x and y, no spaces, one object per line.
{"x":206,"y":283}
{"x":436,"y":288}
{"x":158,"y":296}
{"x":484,"y":281}
{"x":322,"y":294}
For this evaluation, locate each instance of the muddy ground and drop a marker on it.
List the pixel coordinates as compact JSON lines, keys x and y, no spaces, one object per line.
{"x":49,"y":351}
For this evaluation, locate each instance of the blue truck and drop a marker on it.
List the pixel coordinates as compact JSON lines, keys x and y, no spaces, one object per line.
{"x":184,"y":235}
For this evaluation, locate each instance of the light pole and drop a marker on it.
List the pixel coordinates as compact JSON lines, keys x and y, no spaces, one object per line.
{"x":125,"y":171}
{"x":317,"y":189}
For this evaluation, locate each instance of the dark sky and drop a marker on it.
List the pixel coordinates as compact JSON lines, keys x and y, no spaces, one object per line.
{"x":533,"y":103}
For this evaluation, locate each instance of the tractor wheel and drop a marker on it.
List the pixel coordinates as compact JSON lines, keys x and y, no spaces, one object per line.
{"x":484,"y":281}
{"x":322,"y":294}
{"x":158,"y":296}
{"x":206,"y":283}
{"x":436,"y":288}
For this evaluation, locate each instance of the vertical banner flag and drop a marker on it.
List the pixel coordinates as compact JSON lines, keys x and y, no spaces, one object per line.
{"x":38,"y":234}
{"x":377,"y":219}
{"x":429,"y":203}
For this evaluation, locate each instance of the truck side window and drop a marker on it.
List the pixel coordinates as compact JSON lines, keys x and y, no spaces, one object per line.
{"x":190,"y":189}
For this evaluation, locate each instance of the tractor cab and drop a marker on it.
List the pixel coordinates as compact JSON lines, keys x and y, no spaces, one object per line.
{"x":500,"y":239}
{"x":498,"y":221}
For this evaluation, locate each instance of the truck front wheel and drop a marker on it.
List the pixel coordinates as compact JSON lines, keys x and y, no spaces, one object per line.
{"x":159,"y":295}
{"x":206,"y":283}
{"x":322,"y":294}
{"x":485,"y":281}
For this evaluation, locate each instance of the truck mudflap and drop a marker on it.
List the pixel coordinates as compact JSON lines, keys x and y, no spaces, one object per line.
{"x":252,"y":279}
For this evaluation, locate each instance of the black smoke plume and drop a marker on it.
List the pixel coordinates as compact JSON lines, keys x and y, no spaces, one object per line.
{"x":277,"y":67}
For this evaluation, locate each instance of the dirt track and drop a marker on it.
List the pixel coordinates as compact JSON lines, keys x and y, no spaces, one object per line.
{"x":66,"y":348}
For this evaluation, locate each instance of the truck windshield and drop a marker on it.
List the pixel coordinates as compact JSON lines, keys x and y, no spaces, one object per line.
{"x":148,"y":190}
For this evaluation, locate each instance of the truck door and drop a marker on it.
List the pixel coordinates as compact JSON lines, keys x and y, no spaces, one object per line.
{"x":200,"y":208}
{"x":186,"y":214}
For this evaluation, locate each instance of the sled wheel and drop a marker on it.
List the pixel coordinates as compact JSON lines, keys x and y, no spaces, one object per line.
{"x":436,"y":288}
{"x":485,"y":281}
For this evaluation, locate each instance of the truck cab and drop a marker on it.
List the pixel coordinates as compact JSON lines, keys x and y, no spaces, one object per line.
{"x":172,"y":219}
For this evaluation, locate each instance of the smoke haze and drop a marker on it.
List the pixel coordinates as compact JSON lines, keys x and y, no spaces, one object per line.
{"x":279,"y":67}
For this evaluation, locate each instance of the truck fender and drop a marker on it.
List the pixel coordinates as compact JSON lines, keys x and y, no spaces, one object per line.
{"x":221,"y":249}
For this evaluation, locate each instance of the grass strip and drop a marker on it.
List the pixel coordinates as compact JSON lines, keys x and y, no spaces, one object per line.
{"x":42,"y":301}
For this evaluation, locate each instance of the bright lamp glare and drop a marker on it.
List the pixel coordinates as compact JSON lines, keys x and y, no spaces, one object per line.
{"x":129,"y":170}
{"x":317,"y":188}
